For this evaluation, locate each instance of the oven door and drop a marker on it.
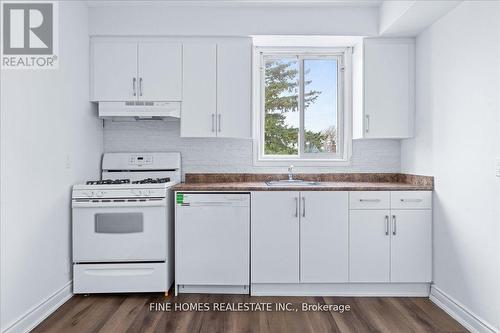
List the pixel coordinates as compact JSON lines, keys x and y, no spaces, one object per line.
{"x":119,"y":231}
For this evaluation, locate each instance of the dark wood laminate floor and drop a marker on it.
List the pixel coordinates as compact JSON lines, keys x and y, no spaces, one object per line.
{"x":131,"y":313}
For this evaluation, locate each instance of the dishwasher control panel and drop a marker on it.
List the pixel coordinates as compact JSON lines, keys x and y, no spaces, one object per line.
{"x":212,"y":199}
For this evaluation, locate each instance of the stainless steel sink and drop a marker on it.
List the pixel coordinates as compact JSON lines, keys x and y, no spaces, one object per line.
{"x":292,"y":182}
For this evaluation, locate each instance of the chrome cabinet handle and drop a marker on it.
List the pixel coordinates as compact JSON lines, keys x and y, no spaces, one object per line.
{"x":213,"y":122}
{"x":387,"y":225}
{"x":133,"y":85}
{"x":303,"y":207}
{"x":394,"y":231}
{"x":369,"y":200}
{"x":411,"y":200}
{"x":140,"y":86}
{"x":367,"y":127}
{"x":296,"y":207}
{"x":218,"y":121}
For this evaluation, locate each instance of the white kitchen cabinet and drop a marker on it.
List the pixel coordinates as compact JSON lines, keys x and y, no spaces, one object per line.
{"x":125,"y":71}
{"x":299,"y":237}
{"x":369,"y":200}
{"x":160,"y":71}
{"x":210,"y":77}
{"x":393,"y":242}
{"x":217,"y":89}
{"x":324,"y":237}
{"x":411,"y":200}
{"x":199,"y":102}
{"x":411,"y":245}
{"x":234,"y":79}
{"x":370,"y":245}
{"x":275,"y":237}
{"x":388,"y":89}
{"x":114,"y":71}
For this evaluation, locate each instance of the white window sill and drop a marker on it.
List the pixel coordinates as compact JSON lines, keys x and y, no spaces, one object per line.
{"x":302,"y":162}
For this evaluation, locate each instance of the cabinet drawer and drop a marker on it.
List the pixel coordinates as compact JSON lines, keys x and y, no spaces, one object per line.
{"x":411,"y":200}
{"x":119,"y":278}
{"x":369,"y":200}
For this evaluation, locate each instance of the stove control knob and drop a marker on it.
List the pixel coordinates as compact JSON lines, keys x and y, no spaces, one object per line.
{"x":147,"y":193}
{"x":137,"y":193}
{"x":99,"y":194}
{"x":89,"y":194}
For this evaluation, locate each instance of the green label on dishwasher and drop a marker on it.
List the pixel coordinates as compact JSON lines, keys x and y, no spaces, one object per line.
{"x":180,"y":198}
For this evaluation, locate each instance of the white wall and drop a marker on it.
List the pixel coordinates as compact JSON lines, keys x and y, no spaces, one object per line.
{"x":226,"y":155}
{"x":457,"y":140}
{"x":234,"y":155}
{"x":46,"y":117}
{"x":228,"y":20}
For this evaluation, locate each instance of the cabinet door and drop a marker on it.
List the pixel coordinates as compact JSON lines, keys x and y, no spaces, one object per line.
{"x":411,"y":246}
{"x":233,"y":89}
{"x":114,"y":71}
{"x":275,"y":237}
{"x":369,"y":246}
{"x":160,"y":71}
{"x":324,"y":237}
{"x":199,"y":102}
{"x":389,"y":88}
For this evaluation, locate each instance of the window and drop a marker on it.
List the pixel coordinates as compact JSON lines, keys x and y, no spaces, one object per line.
{"x":301,"y":108}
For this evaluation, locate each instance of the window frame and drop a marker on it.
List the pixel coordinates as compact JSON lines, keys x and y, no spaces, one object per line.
{"x":344,"y":106}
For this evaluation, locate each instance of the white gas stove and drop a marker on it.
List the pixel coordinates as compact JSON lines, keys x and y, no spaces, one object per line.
{"x":123,"y":225}
{"x":104,"y":193}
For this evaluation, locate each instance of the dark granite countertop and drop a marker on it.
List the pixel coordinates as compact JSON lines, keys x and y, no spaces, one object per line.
{"x":328,"y":182}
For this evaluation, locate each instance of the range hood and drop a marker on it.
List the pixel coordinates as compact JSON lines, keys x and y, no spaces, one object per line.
{"x":139,"y":110}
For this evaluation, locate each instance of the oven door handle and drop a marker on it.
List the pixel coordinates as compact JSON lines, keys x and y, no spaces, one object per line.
{"x":75,"y":203}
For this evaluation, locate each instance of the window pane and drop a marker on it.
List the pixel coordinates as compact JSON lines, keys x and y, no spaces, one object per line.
{"x":320,"y":106}
{"x":281,"y":130}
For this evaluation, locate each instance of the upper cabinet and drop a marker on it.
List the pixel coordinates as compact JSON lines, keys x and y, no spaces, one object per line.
{"x":384,"y":88}
{"x":160,"y":71}
{"x":199,"y":84}
{"x":217,"y":89}
{"x":234,"y":86}
{"x":114,"y":71}
{"x":124,"y":71}
{"x":211,"y":77}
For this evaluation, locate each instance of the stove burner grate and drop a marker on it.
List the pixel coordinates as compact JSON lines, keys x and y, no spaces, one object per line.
{"x":127,"y":181}
{"x":108,"y":182}
{"x":152,"y":181}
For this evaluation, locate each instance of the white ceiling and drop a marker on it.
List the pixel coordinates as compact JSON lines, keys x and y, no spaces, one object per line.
{"x":394,"y":18}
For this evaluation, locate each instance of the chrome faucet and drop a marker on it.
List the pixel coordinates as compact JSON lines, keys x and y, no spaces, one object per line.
{"x":290,"y":173}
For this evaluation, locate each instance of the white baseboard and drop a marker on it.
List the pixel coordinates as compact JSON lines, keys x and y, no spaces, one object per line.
{"x":460,"y":313}
{"x":38,"y":313}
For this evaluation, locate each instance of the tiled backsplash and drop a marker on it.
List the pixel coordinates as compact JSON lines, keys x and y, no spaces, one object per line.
{"x":234,"y":155}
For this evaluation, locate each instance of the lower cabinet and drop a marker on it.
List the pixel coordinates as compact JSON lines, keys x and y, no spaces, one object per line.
{"x":370,"y":246}
{"x":324,"y":235}
{"x":337,"y":237}
{"x":299,"y":237}
{"x":275,"y":237}
{"x":390,"y":245}
{"x":411,"y":246}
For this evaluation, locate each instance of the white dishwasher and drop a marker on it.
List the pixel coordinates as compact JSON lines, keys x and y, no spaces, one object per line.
{"x":212,"y":243}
